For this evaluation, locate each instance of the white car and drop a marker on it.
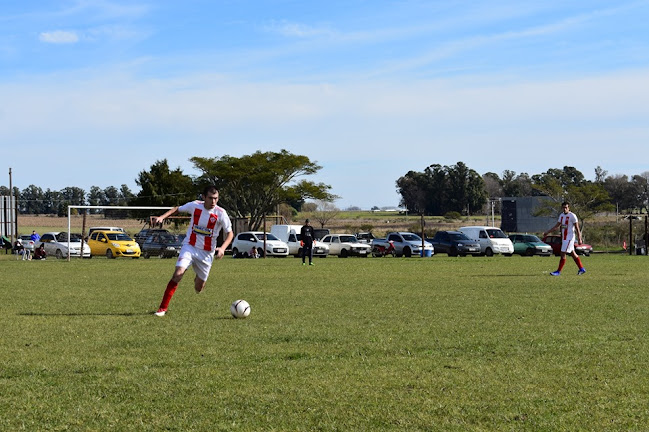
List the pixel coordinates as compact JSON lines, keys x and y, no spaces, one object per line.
{"x":345,"y":245}
{"x":56,"y":244}
{"x":245,"y":241}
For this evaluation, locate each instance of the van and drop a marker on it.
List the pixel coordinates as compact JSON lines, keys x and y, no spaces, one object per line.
{"x":492,"y":240}
{"x":290,"y":234}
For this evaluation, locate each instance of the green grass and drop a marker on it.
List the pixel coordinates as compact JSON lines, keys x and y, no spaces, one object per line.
{"x":357,"y":344}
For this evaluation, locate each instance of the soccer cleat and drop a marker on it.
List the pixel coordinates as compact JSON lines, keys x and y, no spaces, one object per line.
{"x":303,"y":263}
{"x":581,"y":271}
{"x":555,"y":273}
{"x":311,"y":264}
{"x":161,"y":312}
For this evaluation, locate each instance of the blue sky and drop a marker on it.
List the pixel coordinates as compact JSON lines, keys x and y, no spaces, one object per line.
{"x":94,"y":91}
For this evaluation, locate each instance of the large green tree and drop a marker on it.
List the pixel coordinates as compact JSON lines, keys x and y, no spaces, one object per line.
{"x":160,"y":187}
{"x":254,"y":185}
{"x":31,"y":200}
{"x":586,"y":198}
{"x":440,"y":189}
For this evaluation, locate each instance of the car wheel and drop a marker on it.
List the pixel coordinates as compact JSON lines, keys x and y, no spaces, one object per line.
{"x":260,"y":252}
{"x":58,"y":254}
{"x":452,"y":252}
{"x":109,"y":254}
{"x":529,"y":252}
{"x":489,"y":252}
{"x":235,"y":253}
{"x":407,"y":252}
{"x":146,"y":255}
{"x":343,"y":253}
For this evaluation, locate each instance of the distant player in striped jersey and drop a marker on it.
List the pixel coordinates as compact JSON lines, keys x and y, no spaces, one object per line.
{"x":568,"y":224}
{"x":199,"y":247}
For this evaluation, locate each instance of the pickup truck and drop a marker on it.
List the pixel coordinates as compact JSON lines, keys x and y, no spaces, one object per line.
{"x":405,"y":244}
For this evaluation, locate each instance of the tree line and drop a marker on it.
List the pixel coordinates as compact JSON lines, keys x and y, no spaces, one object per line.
{"x":438,"y":190}
{"x":255,"y":185}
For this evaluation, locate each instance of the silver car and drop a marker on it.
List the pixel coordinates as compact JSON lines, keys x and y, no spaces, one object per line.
{"x":56,"y":244}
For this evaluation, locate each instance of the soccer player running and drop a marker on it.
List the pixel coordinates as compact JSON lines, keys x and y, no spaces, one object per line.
{"x":568,"y":224}
{"x":199,"y":247}
{"x":307,"y":236}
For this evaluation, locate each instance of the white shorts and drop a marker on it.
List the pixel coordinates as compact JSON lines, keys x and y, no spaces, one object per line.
{"x":568,"y":246}
{"x":200,"y":260}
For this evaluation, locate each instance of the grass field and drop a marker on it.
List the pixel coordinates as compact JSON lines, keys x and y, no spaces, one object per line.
{"x":358,"y":344}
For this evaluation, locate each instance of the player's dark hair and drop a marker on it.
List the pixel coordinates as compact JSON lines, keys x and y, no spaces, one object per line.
{"x":209,"y":188}
{"x":565,"y":203}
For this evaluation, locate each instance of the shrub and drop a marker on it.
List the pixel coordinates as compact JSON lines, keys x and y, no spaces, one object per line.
{"x":452,"y":215}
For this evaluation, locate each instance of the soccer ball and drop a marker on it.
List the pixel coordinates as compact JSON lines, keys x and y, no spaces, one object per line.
{"x":240,"y":309}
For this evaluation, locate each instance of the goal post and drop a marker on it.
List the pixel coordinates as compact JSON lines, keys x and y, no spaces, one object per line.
{"x":99,"y":207}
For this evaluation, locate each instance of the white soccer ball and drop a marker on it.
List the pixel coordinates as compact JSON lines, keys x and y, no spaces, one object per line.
{"x":240,"y":309}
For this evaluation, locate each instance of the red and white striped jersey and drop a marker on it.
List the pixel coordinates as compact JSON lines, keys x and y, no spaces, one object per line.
{"x":567,"y":225}
{"x":205,"y":225}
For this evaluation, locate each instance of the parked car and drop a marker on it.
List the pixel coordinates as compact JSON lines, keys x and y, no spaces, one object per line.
{"x":365,"y":237}
{"x":163,"y":245}
{"x":529,"y":245}
{"x":113,"y":244}
{"x":245,"y":241}
{"x":405,"y":244}
{"x":141,"y":236}
{"x":454,"y":243}
{"x":56,"y":244}
{"x":345,"y":245}
{"x":290,"y":234}
{"x":492,"y":240}
{"x":554,"y":241}
{"x":28,"y":243}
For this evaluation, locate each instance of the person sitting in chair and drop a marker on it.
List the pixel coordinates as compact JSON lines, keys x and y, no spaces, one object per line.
{"x":19,"y":249}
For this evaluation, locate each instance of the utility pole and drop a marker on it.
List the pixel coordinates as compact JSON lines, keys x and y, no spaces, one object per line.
{"x":13,"y":211}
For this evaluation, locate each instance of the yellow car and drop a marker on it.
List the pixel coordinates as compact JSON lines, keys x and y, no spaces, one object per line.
{"x":113,"y":244}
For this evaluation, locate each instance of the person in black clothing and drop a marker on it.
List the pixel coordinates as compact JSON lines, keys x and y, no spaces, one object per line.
{"x":307,"y":237}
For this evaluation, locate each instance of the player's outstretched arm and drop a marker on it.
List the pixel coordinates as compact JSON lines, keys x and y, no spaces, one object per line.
{"x":159,"y":219}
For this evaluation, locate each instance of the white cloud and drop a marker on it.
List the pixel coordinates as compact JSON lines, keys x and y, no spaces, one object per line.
{"x":59,"y":37}
{"x":298,"y":30}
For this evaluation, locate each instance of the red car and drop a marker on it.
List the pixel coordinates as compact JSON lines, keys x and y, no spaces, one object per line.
{"x":555,"y":242}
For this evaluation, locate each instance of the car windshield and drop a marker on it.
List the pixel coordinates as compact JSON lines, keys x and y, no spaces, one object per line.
{"x":459,"y":236}
{"x":118,"y":237}
{"x":260,"y":236}
{"x":496,"y":233}
{"x":348,"y":239}
{"x":411,"y":237}
{"x":166,"y":238}
{"x":531,"y":239}
{"x":63,"y":237}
